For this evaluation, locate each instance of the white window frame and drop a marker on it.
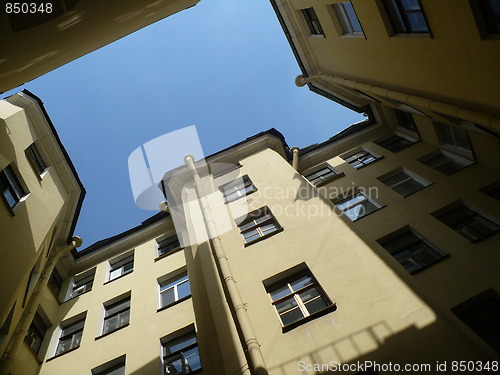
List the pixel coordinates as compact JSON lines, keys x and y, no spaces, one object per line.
{"x":412,"y":259}
{"x":238,"y":188}
{"x":474,"y":213}
{"x":411,"y":176}
{"x":454,"y":147}
{"x":351,"y":196}
{"x":345,"y":22}
{"x":347,"y":157}
{"x":122,"y":271}
{"x":15,"y":184}
{"x":177,"y":278}
{"x":286,"y":278}
{"x":256,"y":221}
{"x":168,"y":240}
{"x":179,"y":354}
{"x":451,"y":156}
{"x":313,"y":29}
{"x":329,"y":171}
{"x":36,"y":159}
{"x":84,"y":288}
{"x":65,"y":325}
{"x":123,"y":299}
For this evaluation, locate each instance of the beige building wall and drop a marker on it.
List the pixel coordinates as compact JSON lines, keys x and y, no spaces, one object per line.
{"x":34,"y":44}
{"x":448,"y":70}
{"x":43,"y":218}
{"x":382,"y":313}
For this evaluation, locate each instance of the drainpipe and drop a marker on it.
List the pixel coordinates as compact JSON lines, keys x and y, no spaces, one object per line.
{"x":295,"y":158}
{"x":257,"y":363}
{"x":487,"y":121}
{"x":32,"y":306}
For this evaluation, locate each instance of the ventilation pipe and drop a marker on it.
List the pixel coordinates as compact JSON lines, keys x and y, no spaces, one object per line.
{"x":490,"y":122}
{"x":32,"y":306}
{"x":257,"y":364}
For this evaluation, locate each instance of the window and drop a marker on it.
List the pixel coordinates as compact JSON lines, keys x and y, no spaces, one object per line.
{"x":490,"y":11}
{"x":12,"y":189}
{"x":181,"y":356}
{"x":406,"y":16}
{"x":360,"y":159}
{"x":395,"y":143}
{"x":454,"y":136}
{"x":116,"y":315}
{"x":258,"y":225}
{"x":174,"y":289}
{"x":82,"y":283}
{"x":445,"y":163}
{"x":121,"y":266}
{"x":55,"y":282}
{"x":312,"y":21}
{"x":468,"y":223}
{"x":411,"y":251}
{"x":36,"y":333}
{"x":480,"y":314}
{"x":347,"y":18}
{"x":406,"y":120}
{"x":71,"y":336}
{"x":403,"y":183}
{"x":168,"y":245}
{"x":357,"y":206}
{"x":298,"y":297}
{"x":35,"y":159}
{"x":321,"y":176}
{"x":118,"y":369}
{"x":493,"y":190}
{"x":237,"y":189}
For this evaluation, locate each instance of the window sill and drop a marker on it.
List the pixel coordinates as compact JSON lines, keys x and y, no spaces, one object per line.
{"x":279,"y":230}
{"x":317,"y":314}
{"x":63,"y":353}
{"x":169,"y":253}
{"x":174,"y":303}
{"x":366,"y":165}
{"x":353,"y":36}
{"x":427,"y":35}
{"x":416,"y":191}
{"x":333,"y":178}
{"x":113,"y":331}
{"x":316,"y":36}
{"x":443,"y":256}
{"x":482,"y":238}
{"x":119,"y":277}
{"x":359,"y":218}
{"x":81,"y":294}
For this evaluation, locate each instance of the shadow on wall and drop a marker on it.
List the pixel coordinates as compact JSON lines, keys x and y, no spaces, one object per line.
{"x":364,"y":350}
{"x":16,"y":237}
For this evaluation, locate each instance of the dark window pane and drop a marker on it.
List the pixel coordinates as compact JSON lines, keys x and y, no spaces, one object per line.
{"x":291,"y":316}
{"x":491,"y":14}
{"x":483,"y":320}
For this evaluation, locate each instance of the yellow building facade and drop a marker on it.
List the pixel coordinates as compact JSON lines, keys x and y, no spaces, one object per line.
{"x":38,"y":37}
{"x":379,"y":244}
{"x":427,"y":57}
{"x":41,"y":200}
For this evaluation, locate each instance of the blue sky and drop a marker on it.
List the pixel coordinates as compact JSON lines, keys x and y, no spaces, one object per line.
{"x":224,"y":66}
